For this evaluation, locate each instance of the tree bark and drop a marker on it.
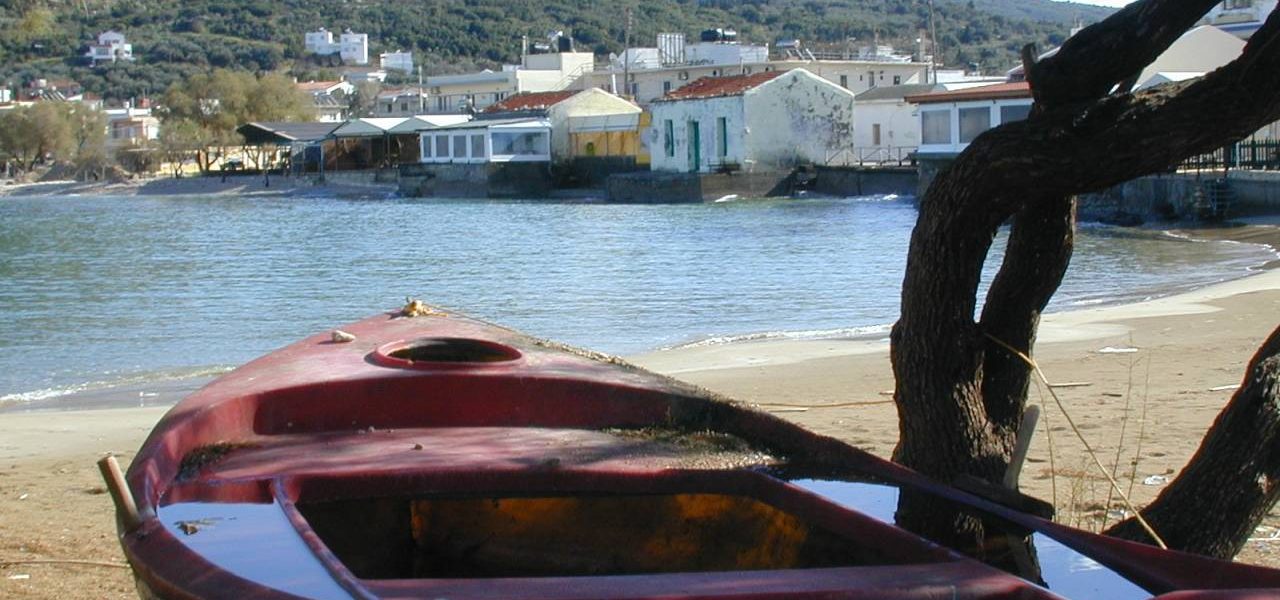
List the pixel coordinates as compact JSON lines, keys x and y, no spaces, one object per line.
{"x":1239,"y":458}
{"x":959,"y":395}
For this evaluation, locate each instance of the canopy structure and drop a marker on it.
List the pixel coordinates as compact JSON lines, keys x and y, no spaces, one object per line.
{"x":423,"y":122}
{"x":284,"y":134}
{"x":598,"y":123}
{"x":367,"y":128}
{"x":298,"y":137}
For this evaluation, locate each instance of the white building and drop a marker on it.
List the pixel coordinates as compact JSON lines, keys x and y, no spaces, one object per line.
{"x":950,"y":120}
{"x":561,"y":107}
{"x":886,"y":128}
{"x":400,"y":102}
{"x":655,"y":72}
{"x":763,"y":121}
{"x":488,"y":141}
{"x":110,"y":47}
{"x":330,"y":99}
{"x":1194,"y":53}
{"x":396,"y":61}
{"x":1240,"y":17}
{"x":541,"y":72}
{"x":352,"y":48}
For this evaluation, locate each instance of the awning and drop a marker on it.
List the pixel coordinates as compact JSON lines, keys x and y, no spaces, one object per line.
{"x":588,"y":123}
{"x":282,"y":134}
{"x":421,"y":122}
{"x":372,"y":127}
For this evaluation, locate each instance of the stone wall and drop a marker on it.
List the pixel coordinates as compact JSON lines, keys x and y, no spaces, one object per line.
{"x":659,"y":187}
{"x":864,"y":181}
{"x":478,"y":180}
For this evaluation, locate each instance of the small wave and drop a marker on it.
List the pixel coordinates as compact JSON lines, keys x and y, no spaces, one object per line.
{"x":811,"y":334}
{"x":106,"y":384}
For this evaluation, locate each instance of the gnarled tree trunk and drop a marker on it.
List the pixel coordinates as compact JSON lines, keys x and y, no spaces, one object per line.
{"x":960,"y":395}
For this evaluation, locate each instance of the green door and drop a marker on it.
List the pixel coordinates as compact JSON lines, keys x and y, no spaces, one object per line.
{"x":695,"y":147}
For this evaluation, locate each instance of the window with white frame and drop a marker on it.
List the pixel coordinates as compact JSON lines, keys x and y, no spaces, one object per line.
{"x":974,"y":121}
{"x":935,"y":127}
{"x":1014,"y":112}
{"x":477,"y":145}
{"x":520,"y":143}
{"x":442,"y":146}
{"x":459,"y":146}
{"x":426,"y":146}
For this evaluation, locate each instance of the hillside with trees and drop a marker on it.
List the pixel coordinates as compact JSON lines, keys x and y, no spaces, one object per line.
{"x":173,"y":40}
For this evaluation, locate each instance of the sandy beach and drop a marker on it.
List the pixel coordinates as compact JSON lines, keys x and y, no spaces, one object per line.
{"x":1143,"y":382}
{"x":237,"y":185}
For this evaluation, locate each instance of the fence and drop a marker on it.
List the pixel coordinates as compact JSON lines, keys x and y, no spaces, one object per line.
{"x":883,"y":156}
{"x":1251,"y":155}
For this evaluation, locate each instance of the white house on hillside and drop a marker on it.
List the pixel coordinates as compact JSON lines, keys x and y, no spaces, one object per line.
{"x":764,"y":121}
{"x":396,"y":61}
{"x":352,"y":47}
{"x":110,"y":47}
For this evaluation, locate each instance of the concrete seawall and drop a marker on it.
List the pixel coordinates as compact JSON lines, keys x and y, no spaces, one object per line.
{"x":1186,"y":196}
{"x":862,"y":181}
{"x":482,"y":180}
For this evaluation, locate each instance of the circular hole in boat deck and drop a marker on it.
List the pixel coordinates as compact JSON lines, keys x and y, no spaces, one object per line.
{"x":443,"y":351}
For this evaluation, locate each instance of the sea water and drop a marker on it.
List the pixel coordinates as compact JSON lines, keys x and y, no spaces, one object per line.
{"x":98,"y":292}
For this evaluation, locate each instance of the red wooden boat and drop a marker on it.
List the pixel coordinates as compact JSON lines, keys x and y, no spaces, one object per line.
{"x":438,"y":456}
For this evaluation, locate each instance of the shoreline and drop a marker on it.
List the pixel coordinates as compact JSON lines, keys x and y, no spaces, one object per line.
{"x":1146,"y":381}
{"x":198,"y":185}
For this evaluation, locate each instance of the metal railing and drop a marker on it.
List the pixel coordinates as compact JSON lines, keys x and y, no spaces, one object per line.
{"x":872,"y":156}
{"x":1249,"y":155}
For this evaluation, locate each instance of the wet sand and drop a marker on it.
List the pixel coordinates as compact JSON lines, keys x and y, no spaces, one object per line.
{"x":1173,"y":360}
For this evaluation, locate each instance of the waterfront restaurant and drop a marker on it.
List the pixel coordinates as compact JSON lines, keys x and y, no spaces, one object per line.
{"x":488,"y":141}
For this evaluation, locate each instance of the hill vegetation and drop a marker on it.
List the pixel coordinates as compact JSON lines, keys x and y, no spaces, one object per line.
{"x":175,"y":39}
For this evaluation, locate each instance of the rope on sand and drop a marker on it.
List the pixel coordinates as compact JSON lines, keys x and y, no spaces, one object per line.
{"x":833,"y":405}
{"x":64,"y":561}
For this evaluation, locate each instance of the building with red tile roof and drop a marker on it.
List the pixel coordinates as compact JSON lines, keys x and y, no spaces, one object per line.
{"x":530,"y":101}
{"x":714,"y":87}
{"x":767,"y":121}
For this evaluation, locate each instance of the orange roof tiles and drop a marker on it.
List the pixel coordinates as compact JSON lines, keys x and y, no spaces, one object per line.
{"x":714,"y":87}
{"x":317,"y":86}
{"x":987,"y":92}
{"x":531,"y":101}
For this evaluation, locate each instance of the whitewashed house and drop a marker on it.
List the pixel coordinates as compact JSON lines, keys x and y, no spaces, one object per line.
{"x":561,"y":107}
{"x":1240,"y":17}
{"x":764,"y":121}
{"x":110,"y":47}
{"x":351,"y":47}
{"x":396,"y":61}
{"x":400,"y":102}
{"x":886,"y":129}
{"x":330,"y":99}
{"x":1194,"y":53}
{"x":949,"y":121}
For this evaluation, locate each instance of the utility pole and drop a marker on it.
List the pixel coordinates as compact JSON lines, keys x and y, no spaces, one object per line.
{"x":933,"y":45}
{"x":626,"y":55}
{"x":422,"y":99}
